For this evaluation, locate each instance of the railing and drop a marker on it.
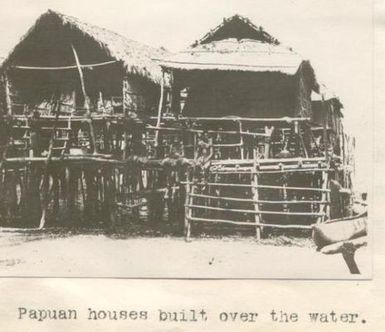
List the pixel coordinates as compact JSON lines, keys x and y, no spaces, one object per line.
{"x":238,"y":138}
{"x":249,"y":204}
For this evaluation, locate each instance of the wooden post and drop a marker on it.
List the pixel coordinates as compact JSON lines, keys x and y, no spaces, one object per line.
{"x":160,"y":107}
{"x":86,"y":100}
{"x":242,"y":147}
{"x":269,"y":132}
{"x":325,"y":129}
{"x":45,"y":201}
{"x":46,"y":175}
{"x":255,"y":193}
{"x":125,"y":92}
{"x":187,"y":209}
{"x":78,"y":65}
{"x":8,"y":101}
{"x":325,"y":197}
{"x":56,"y":194}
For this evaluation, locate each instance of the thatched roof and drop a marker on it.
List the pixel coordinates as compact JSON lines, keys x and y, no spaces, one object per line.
{"x":238,"y":45}
{"x":134,"y":56}
{"x":236,"y":55}
{"x":237,"y":27}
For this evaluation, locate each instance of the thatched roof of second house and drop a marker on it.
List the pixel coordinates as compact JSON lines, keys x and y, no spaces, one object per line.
{"x":236,"y":55}
{"x":53,"y":33}
{"x":237,"y":45}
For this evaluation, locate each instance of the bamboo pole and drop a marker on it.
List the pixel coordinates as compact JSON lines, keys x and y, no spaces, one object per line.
{"x":80,"y":71}
{"x":256,"y":186}
{"x":46,"y":178}
{"x":267,"y":161}
{"x":86,"y":100}
{"x":237,"y":118}
{"x":160,"y":108}
{"x":286,"y":170}
{"x":257,"y":212}
{"x":187,"y":211}
{"x":324,"y":197}
{"x":241,"y":140}
{"x":8,"y":101}
{"x":255,"y":193}
{"x":324,"y":128}
{"x":243,"y":223}
{"x":259,"y":201}
{"x":230,"y":132}
{"x":91,"y":65}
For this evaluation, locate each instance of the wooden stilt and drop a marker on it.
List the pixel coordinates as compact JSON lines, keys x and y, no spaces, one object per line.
{"x":160,"y":109}
{"x":325,"y":197}
{"x":45,"y":198}
{"x":7,"y":95}
{"x":188,"y":213}
{"x":254,"y":190}
{"x":56,"y":196}
{"x":241,"y":141}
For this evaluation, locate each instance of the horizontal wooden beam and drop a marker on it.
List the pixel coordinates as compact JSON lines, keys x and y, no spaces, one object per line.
{"x":237,"y":119}
{"x":235,"y":199}
{"x":284,"y":213}
{"x":190,"y":130}
{"x":272,"y":171}
{"x":242,"y":223}
{"x":214,"y":184}
{"x":91,"y":65}
{"x":267,"y":161}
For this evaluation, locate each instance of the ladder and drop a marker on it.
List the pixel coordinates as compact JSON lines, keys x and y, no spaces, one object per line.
{"x":59,"y":136}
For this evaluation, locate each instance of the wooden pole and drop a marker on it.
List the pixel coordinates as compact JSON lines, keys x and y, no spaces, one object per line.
{"x":268,"y":133}
{"x":8,"y":101}
{"x":86,"y":100}
{"x":125,"y":92}
{"x":187,"y":213}
{"x":78,"y":65}
{"x":255,"y":193}
{"x":324,"y":208}
{"x":324,"y":129}
{"x":160,"y":107}
{"x":241,"y":141}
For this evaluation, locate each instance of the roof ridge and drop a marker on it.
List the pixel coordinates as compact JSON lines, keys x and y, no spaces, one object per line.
{"x":269,"y":38}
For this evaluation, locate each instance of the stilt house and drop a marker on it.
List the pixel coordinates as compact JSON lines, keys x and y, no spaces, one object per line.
{"x":240,"y":106}
{"x":73,"y":101}
{"x":66,"y":68}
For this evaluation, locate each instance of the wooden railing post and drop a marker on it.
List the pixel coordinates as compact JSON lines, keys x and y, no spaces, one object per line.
{"x":187,"y":211}
{"x":255,"y":192}
{"x":325,"y":197}
{"x":8,"y":100}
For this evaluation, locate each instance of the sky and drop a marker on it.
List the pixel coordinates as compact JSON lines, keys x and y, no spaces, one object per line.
{"x":335,"y":35}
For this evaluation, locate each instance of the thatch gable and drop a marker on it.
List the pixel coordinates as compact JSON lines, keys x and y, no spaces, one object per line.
{"x":237,"y":27}
{"x":53,"y":33}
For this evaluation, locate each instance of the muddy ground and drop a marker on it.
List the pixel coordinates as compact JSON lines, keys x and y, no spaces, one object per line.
{"x":62,"y":252}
